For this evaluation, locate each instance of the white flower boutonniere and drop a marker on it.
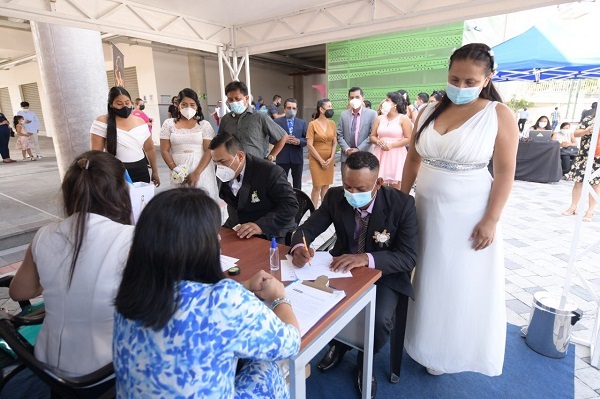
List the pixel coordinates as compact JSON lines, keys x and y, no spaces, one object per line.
{"x":255,"y":198}
{"x":382,"y":238}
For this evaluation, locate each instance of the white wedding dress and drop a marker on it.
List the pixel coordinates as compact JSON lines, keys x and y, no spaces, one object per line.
{"x":187,"y":149}
{"x":457,"y":321}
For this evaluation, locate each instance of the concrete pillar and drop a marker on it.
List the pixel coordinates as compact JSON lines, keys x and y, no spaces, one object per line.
{"x":73,"y":74}
{"x":198,"y":81}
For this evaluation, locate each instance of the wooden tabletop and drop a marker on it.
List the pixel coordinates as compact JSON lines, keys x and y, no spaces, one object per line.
{"x":253,"y":255}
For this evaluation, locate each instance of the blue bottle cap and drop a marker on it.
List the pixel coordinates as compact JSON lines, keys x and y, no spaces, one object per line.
{"x":273,"y":243}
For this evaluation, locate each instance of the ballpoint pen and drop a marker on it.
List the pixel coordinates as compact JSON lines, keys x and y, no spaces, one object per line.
{"x":306,"y":246}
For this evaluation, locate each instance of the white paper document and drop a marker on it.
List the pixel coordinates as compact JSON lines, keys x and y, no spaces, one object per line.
{"x":311,"y":304}
{"x":288,"y":270}
{"x":227,"y":262}
{"x":319,"y":267}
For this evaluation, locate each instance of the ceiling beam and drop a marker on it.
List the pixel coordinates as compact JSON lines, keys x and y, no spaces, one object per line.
{"x":290,"y":60}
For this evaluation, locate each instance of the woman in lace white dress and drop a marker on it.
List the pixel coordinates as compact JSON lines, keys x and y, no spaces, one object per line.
{"x":184,"y":142}
{"x":457,"y":321}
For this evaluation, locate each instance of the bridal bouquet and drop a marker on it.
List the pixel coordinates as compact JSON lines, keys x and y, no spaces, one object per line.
{"x":179,"y":174}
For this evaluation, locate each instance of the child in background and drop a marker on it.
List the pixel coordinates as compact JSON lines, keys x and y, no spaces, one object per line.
{"x":25,"y":139}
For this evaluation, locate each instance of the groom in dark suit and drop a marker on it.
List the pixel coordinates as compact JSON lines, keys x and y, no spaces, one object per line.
{"x":291,"y":155}
{"x":260,"y":201}
{"x":376,"y":227}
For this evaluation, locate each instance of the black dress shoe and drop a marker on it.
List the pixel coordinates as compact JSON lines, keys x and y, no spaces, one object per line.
{"x":373,"y":383}
{"x":332,"y":358}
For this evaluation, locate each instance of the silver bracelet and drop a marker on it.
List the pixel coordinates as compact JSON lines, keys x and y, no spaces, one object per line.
{"x":279,"y":301}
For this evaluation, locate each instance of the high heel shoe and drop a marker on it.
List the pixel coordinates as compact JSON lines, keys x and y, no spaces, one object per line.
{"x":588,"y":217}
{"x":570,"y":212}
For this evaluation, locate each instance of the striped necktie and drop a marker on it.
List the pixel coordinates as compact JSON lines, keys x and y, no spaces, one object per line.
{"x":362,"y":238}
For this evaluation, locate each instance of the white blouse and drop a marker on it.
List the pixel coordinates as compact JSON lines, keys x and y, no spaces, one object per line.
{"x":77,"y":332}
{"x":129,"y":142}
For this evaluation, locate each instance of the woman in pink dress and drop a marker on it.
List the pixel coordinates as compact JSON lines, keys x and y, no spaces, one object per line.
{"x":391,"y":134}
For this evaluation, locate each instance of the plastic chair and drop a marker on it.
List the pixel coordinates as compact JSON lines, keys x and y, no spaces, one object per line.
{"x":62,"y":386}
{"x":305,"y":204}
{"x":29,"y":321}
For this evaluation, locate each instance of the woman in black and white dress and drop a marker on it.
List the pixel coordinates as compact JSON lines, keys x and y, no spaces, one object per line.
{"x":125,"y":136}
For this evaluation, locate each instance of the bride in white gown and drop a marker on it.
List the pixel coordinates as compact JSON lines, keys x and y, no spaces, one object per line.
{"x":184,"y":141}
{"x":457,"y":321}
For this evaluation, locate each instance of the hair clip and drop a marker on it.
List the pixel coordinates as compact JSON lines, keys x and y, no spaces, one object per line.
{"x":84,"y":163}
{"x":491,"y":52}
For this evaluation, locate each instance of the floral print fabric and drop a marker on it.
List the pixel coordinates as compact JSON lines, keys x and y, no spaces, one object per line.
{"x":196,"y":353}
{"x":578,"y":168}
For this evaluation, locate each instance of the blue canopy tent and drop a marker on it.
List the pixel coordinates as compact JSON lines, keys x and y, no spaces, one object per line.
{"x":547,"y":53}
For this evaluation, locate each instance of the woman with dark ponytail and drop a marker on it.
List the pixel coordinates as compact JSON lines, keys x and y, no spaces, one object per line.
{"x":459,"y":276}
{"x":125,"y":136}
{"x":77,"y":264}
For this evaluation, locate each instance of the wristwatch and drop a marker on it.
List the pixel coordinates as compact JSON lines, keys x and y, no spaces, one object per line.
{"x":271,"y":158}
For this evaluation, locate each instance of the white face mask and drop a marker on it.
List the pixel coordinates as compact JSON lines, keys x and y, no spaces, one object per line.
{"x":225,"y":173}
{"x":386,"y":108}
{"x":542,"y":124}
{"x":188,"y":113}
{"x":355,"y":103}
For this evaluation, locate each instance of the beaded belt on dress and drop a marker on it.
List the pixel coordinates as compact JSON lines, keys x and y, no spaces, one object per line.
{"x":438,"y":163}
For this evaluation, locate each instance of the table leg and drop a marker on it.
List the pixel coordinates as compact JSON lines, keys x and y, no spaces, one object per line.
{"x":368,"y":347}
{"x":297,"y":379}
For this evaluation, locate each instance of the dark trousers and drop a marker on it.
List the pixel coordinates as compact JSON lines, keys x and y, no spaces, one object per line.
{"x":566,"y":157}
{"x":386,"y":300}
{"x":521,"y":124}
{"x":565,"y":162}
{"x":296,"y":173}
{"x":4,"y":138}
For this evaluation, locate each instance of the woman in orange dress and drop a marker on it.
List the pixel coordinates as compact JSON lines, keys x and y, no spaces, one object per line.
{"x":321,"y":140}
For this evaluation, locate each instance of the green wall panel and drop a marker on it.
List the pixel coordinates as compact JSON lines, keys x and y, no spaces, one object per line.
{"x":416,"y":61}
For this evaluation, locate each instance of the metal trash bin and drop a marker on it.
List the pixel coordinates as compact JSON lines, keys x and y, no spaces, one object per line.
{"x":549,"y":330}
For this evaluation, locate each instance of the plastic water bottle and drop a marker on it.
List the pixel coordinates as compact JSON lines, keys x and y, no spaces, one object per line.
{"x":274,"y":255}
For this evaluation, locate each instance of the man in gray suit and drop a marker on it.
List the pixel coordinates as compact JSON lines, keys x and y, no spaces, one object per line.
{"x":354,"y":126}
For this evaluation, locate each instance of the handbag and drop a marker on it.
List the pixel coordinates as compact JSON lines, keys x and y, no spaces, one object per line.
{"x":12,"y":132}
{"x":140,"y":193}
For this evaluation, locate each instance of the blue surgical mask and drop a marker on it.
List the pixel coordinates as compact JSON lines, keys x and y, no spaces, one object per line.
{"x":264,"y":110}
{"x":462,"y":95}
{"x":360,"y":199}
{"x":237,"y":107}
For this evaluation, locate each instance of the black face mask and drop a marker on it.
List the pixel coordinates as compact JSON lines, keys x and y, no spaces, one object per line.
{"x":328,"y":113}
{"x":142,"y":107}
{"x":122,"y":112}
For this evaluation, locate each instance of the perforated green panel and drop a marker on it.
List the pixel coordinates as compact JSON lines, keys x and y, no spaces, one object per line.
{"x":415,"y":61}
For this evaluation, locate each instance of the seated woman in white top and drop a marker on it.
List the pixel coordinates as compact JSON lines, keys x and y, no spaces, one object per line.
{"x":77,"y":264}
{"x":568,"y":146}
{"x":543,"y":123}
{"x":125,"y":136}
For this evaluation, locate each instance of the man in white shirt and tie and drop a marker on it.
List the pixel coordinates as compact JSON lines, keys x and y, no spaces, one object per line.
{"x":354,"y":126}
{"x":32,"y":123}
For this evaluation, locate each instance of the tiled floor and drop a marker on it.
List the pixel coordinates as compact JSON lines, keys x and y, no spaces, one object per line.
{"x":537,"y":247}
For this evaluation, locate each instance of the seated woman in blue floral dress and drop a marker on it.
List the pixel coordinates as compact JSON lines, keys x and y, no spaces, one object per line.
{"x":181,"y":326}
